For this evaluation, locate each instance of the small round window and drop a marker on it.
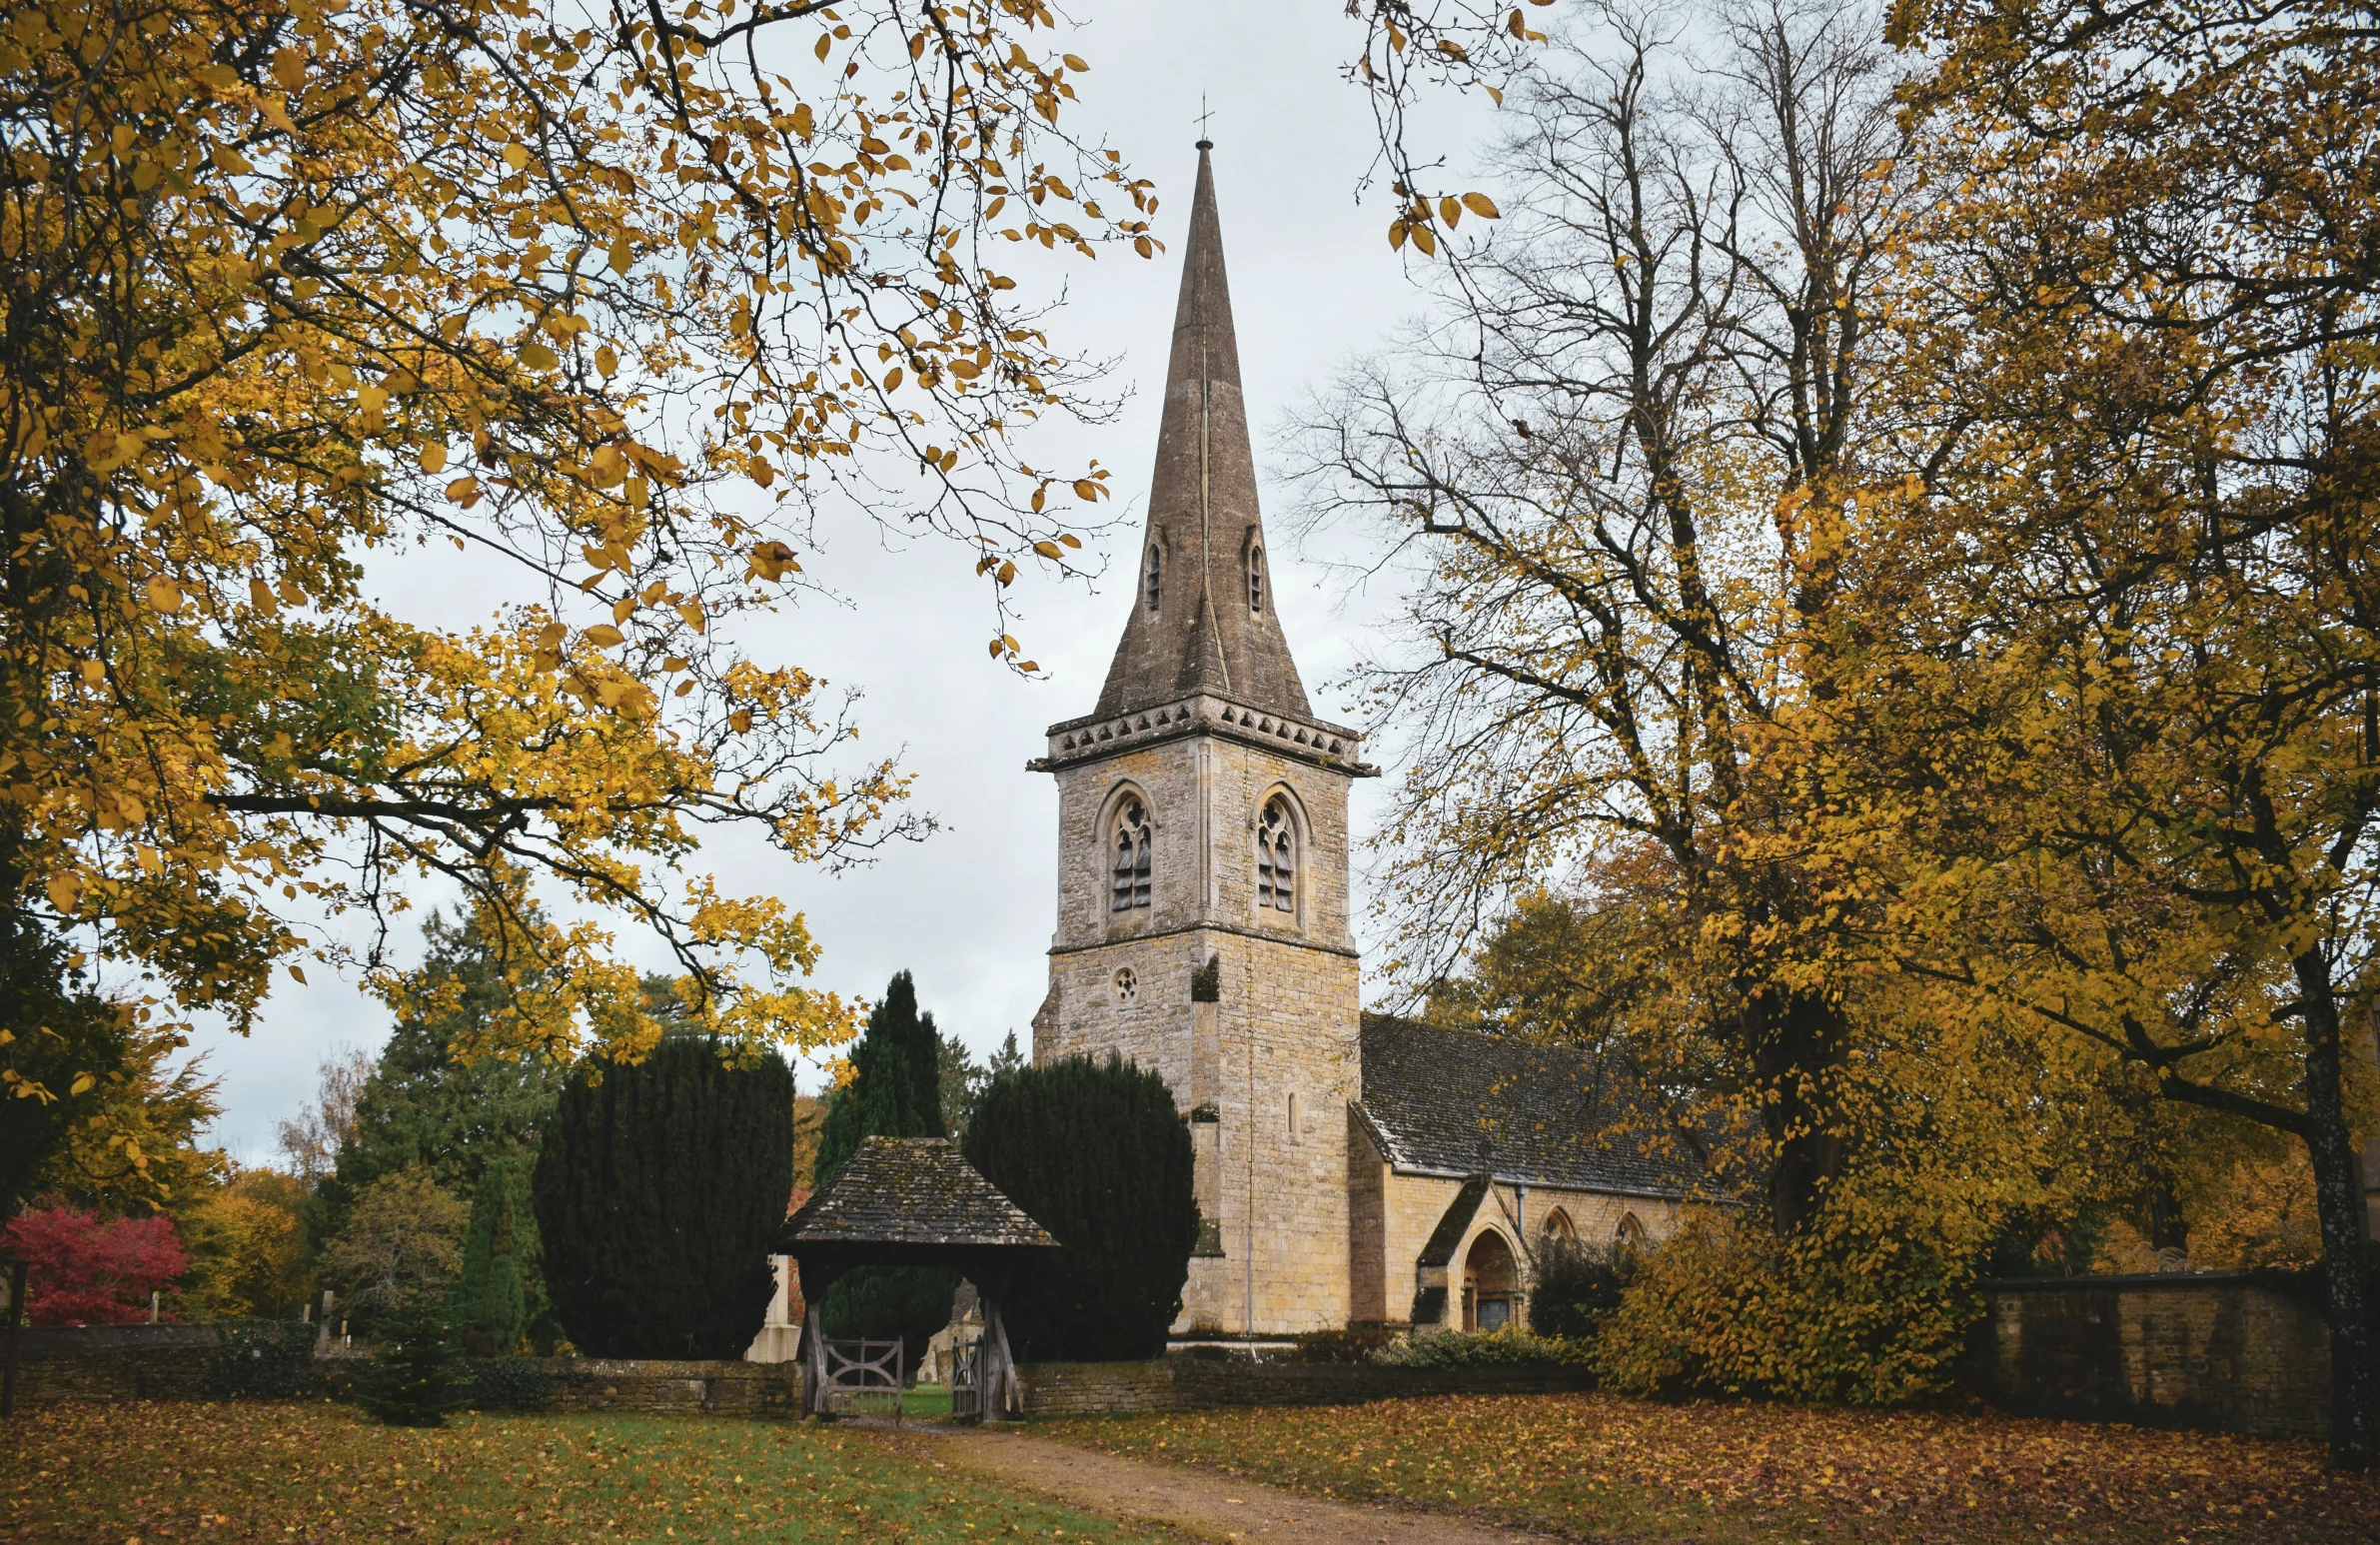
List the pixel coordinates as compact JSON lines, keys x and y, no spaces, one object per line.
{"x":1127,"y":986}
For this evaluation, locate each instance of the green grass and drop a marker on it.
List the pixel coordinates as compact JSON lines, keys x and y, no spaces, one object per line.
{"x":301,"y":1473}
{"x":931,"y":1402}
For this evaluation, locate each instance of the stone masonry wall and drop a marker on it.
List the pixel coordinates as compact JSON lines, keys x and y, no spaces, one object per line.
{"x":1283,"y":1038}
{"x":1198,"y":1384}
{"x":110,"y":1363}
{"x":2214,"y":1352}
{"x":114,"y":1364}
{"x":1410,"y":1205}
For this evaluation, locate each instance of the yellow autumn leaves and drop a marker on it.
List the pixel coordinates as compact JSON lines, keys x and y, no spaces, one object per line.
{"x":316,"y":284}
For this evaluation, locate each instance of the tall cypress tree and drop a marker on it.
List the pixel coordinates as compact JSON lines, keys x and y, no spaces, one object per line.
{"x":895,"y":1091}
{"x":659,"y":1188}
{"x":490,"y":1303}
{"x":1097,"y":1154}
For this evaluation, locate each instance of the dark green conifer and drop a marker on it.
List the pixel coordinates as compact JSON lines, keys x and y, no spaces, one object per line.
{"x":895,"y":1091}
{"x":1097,"y":1153}
{"x":659,"y":1188}
{"x":416,"y":1376}
{"x":490,"y":1301}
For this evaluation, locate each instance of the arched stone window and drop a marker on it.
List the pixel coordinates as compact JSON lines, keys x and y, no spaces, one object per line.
{"x":1255,"y":578}
{"x":1276,"y":857}
{"x":1131,"y":849}
{"x":1294,"y":1118}
{"x":1559,"y":1229}
{"x":1157,"y":577}
{"x":1629,"y":1235}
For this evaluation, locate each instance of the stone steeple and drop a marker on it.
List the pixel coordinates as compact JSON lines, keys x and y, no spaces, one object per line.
{"x":1203,"y":619}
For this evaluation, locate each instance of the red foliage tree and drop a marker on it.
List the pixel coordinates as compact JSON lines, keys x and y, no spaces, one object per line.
{"x":88,"y":1272}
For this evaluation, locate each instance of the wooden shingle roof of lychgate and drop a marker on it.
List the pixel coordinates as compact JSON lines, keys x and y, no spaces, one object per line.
{"x":910,"y":1191}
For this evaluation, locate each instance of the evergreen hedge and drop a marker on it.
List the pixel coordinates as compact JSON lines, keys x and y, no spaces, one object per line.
{"x":659,"y":1188}
{"x":1099,"y":1157}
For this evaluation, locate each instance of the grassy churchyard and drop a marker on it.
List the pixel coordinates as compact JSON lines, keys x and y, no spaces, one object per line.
{"x":1587,"y":1467}
{"x":317,"y":1472}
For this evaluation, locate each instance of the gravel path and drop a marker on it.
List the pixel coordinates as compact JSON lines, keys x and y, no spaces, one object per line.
{"x":1196,"y":1502}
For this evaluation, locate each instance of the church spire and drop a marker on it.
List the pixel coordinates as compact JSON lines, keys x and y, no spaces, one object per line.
{"x":1203,"y":619}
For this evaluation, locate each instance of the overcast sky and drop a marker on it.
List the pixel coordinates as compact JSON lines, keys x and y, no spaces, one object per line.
{"x":971,"y":910}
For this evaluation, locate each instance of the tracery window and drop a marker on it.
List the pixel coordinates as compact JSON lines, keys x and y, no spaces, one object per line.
{"x":1131,"y":887}
{"x":1255,"y":578}
{"x":1276,"y":858}
{"x":1157,"y":573}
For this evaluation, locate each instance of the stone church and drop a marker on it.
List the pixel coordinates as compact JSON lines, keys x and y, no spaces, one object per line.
{"x":1351,"y":1168}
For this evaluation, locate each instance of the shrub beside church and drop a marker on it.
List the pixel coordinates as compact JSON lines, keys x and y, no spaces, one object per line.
{"x":659,"y":1188}
{"x":1099,"y":1155}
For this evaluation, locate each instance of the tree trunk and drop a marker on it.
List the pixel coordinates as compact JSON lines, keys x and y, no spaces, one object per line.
{"x":2338,"y":1200}
{"x":1799,"y":1044}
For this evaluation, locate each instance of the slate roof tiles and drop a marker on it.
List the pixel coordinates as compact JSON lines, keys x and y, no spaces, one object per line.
{"x":1455,"y":1102}
{"x":910,"y":1191}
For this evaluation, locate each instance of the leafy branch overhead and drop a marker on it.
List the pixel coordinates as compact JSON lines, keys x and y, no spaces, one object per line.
{"x":620,"y":302}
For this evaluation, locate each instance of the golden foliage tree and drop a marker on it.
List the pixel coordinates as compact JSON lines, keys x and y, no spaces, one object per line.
{"x":248,"y":1248}
{"x":2041,"y":708}
{"x":616,"y":298}
{"x":2110,"y":727}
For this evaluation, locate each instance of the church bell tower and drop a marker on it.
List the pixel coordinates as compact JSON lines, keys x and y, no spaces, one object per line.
{"x":1203,"y":910}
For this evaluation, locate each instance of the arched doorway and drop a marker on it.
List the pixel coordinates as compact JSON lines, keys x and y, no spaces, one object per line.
{"x":1487,"y":1281}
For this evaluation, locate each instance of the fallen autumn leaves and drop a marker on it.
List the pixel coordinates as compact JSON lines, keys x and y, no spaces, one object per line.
{"x":1599,"y":1467}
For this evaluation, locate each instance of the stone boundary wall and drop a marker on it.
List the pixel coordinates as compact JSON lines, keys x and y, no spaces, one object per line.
{"x":116,"y":1363}
{"x":1200,"y":1383}
{"x":2211,"y":1351}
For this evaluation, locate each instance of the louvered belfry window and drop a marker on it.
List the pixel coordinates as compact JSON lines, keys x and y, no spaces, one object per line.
{"x":1276,"y":858}
{"x":1131,"y":887}
{"x":1156,"y":574}
{"x":1255,"y":578}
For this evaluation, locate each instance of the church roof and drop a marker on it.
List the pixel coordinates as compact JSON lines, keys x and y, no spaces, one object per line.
{"x":1455,"y":1102}
{"x":1205,"y":633}
{"x":909,"y":1191}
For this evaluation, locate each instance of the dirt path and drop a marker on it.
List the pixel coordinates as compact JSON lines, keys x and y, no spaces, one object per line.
{"x":1194,"y":1501}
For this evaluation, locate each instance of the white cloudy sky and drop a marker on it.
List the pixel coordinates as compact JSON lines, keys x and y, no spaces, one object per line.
{"x":971,"y":910}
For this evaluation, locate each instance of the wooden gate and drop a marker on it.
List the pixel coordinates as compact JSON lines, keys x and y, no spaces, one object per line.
{"x":966,"y":1379}
{"x":864,"y":1376}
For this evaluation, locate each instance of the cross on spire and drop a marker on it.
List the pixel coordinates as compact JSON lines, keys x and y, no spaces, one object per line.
{"x":1204,"y":113}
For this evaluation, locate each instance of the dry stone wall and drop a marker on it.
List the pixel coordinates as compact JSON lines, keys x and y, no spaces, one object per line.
{"x":114,"y":1364}
{"x":1199,"y":1384}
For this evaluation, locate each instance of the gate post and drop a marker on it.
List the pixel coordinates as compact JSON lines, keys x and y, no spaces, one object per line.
{"x":1002,"y":1401}
{"x":814,"y":1359}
